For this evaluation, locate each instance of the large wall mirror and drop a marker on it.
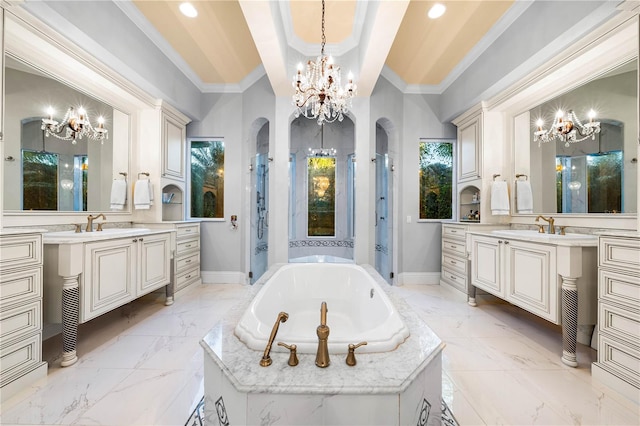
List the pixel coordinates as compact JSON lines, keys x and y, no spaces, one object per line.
{"x":598,"y":174}
{"x":43,"y":173}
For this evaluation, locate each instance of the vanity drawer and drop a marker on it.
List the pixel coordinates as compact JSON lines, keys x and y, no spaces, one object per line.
{"x":618,"y":252}
{"x":454,"y":232}
{"x":454,"y":247}
{"x":620,"y":358}
{"x":454,"y":263}
{"x":19,"y":358}
{"x":20,"y":286}
{"x":20,"y":321}
{"x":184,"y":231}
{"x":621,"y":322}
{"x":621,"y":288}
{"x":188,"y":261}
{"x":20,"y":250}
{"x":185,"y":278}
{"x":187,"y":246}
{"x":455,"y":278}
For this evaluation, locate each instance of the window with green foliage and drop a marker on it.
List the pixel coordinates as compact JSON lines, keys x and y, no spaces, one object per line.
{"x":436,"y":179}
{"x":321,"y":174}
{"x":39,"y":180}
{"x":207,"y":178}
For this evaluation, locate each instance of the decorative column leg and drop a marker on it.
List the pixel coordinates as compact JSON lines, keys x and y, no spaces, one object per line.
{"x":569,"y":321}
{"x":170,"y":288}
{"x":70,"y":314}
{"x":471,"y":296}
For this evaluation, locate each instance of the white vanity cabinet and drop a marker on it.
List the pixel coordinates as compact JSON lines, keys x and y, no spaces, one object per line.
{"x":618,"y":364}
{"x":469,"y":147}
{"x":454,"y":256}
{"x":121,"y":270}
{"x":89,"y":274}
{"x":20,"y":311}
{"x":173,"y":146}
{"x":551,"y":276}
{"x":520,"y":272}
{"x":185,"y":270}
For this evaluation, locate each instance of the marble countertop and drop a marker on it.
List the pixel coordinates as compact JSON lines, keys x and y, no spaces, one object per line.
{"x":374,"y":373}
{"x":72,"y":237}
{"x":570,"y":239}
{"x":19,"y":231}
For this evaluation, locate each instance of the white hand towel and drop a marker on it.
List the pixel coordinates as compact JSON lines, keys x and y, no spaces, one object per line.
{"x":118,"y":194}
{"x":142,"y":194}
{"x":499,"y":198}
{"x":150,"y":193}
{"x":524,"y":197}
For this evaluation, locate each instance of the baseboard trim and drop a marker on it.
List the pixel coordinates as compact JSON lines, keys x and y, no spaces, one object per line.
{"x":223,"y":277}
{"x":426,"y":278}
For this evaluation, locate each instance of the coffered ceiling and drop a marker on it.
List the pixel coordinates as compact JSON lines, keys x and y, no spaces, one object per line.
{"x":236,"y":41}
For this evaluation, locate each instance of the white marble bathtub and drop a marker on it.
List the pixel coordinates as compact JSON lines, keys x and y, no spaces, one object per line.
{"x":358,"y":310}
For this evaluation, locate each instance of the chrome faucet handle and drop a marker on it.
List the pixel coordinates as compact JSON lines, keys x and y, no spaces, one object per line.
{"x":293,"y":354}
{"x":351,"y":356}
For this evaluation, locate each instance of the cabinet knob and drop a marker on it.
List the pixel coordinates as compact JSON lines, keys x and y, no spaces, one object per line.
{"x":506,"y":242}
{"x":135,"y":240}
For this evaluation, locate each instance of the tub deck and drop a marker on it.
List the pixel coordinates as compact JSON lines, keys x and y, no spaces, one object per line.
{"x":404,"y":378}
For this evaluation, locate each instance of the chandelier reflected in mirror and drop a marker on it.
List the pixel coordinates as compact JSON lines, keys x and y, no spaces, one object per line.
{"x":319,"y":93}
{"x":567,"y":128}
{"x":75,"y":125}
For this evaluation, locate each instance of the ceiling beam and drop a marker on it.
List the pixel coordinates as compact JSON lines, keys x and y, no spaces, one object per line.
{"x":377,"y":40}
{"x":263,"y":22}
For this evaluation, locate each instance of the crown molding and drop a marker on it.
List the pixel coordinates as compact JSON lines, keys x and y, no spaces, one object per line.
{"x":313,"y":49}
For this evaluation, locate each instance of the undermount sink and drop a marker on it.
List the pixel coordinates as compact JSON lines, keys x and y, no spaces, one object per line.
{"x":538,"y":236}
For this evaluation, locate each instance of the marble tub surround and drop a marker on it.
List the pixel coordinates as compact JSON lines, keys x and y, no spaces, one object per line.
{"x":396,"y":387}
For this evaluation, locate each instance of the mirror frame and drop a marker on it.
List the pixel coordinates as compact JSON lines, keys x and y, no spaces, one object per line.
{"x":595,"y":55}
{"x":32,"y":42}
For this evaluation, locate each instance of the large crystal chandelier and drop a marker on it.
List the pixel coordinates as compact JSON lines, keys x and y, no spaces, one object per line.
{"x":567,"y":128}
{"x":75,"y":125}
{"x":319,"y":93}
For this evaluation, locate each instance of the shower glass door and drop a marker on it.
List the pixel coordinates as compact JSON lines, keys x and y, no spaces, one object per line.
{"x":260,"y":217}
{"x":383,"y":221}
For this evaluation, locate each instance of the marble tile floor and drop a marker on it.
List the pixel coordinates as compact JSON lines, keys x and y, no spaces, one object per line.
{"x":142,"y":365}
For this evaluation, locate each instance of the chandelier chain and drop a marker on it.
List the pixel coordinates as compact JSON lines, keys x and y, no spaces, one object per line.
{"x":324,"y":39}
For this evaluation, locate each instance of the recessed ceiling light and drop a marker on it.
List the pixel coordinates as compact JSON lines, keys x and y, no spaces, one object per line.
{"x":436,"y":11}
{"x":188,"y":10}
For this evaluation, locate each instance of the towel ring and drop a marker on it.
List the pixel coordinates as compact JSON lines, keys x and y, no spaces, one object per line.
{"x":519,"y":175}
{"x":143,"y":173}
{"x":495,"y":176}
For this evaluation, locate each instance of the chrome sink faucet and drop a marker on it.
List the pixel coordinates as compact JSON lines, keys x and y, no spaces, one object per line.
{"x":90,"y":220}
{"x":551,"y":229}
